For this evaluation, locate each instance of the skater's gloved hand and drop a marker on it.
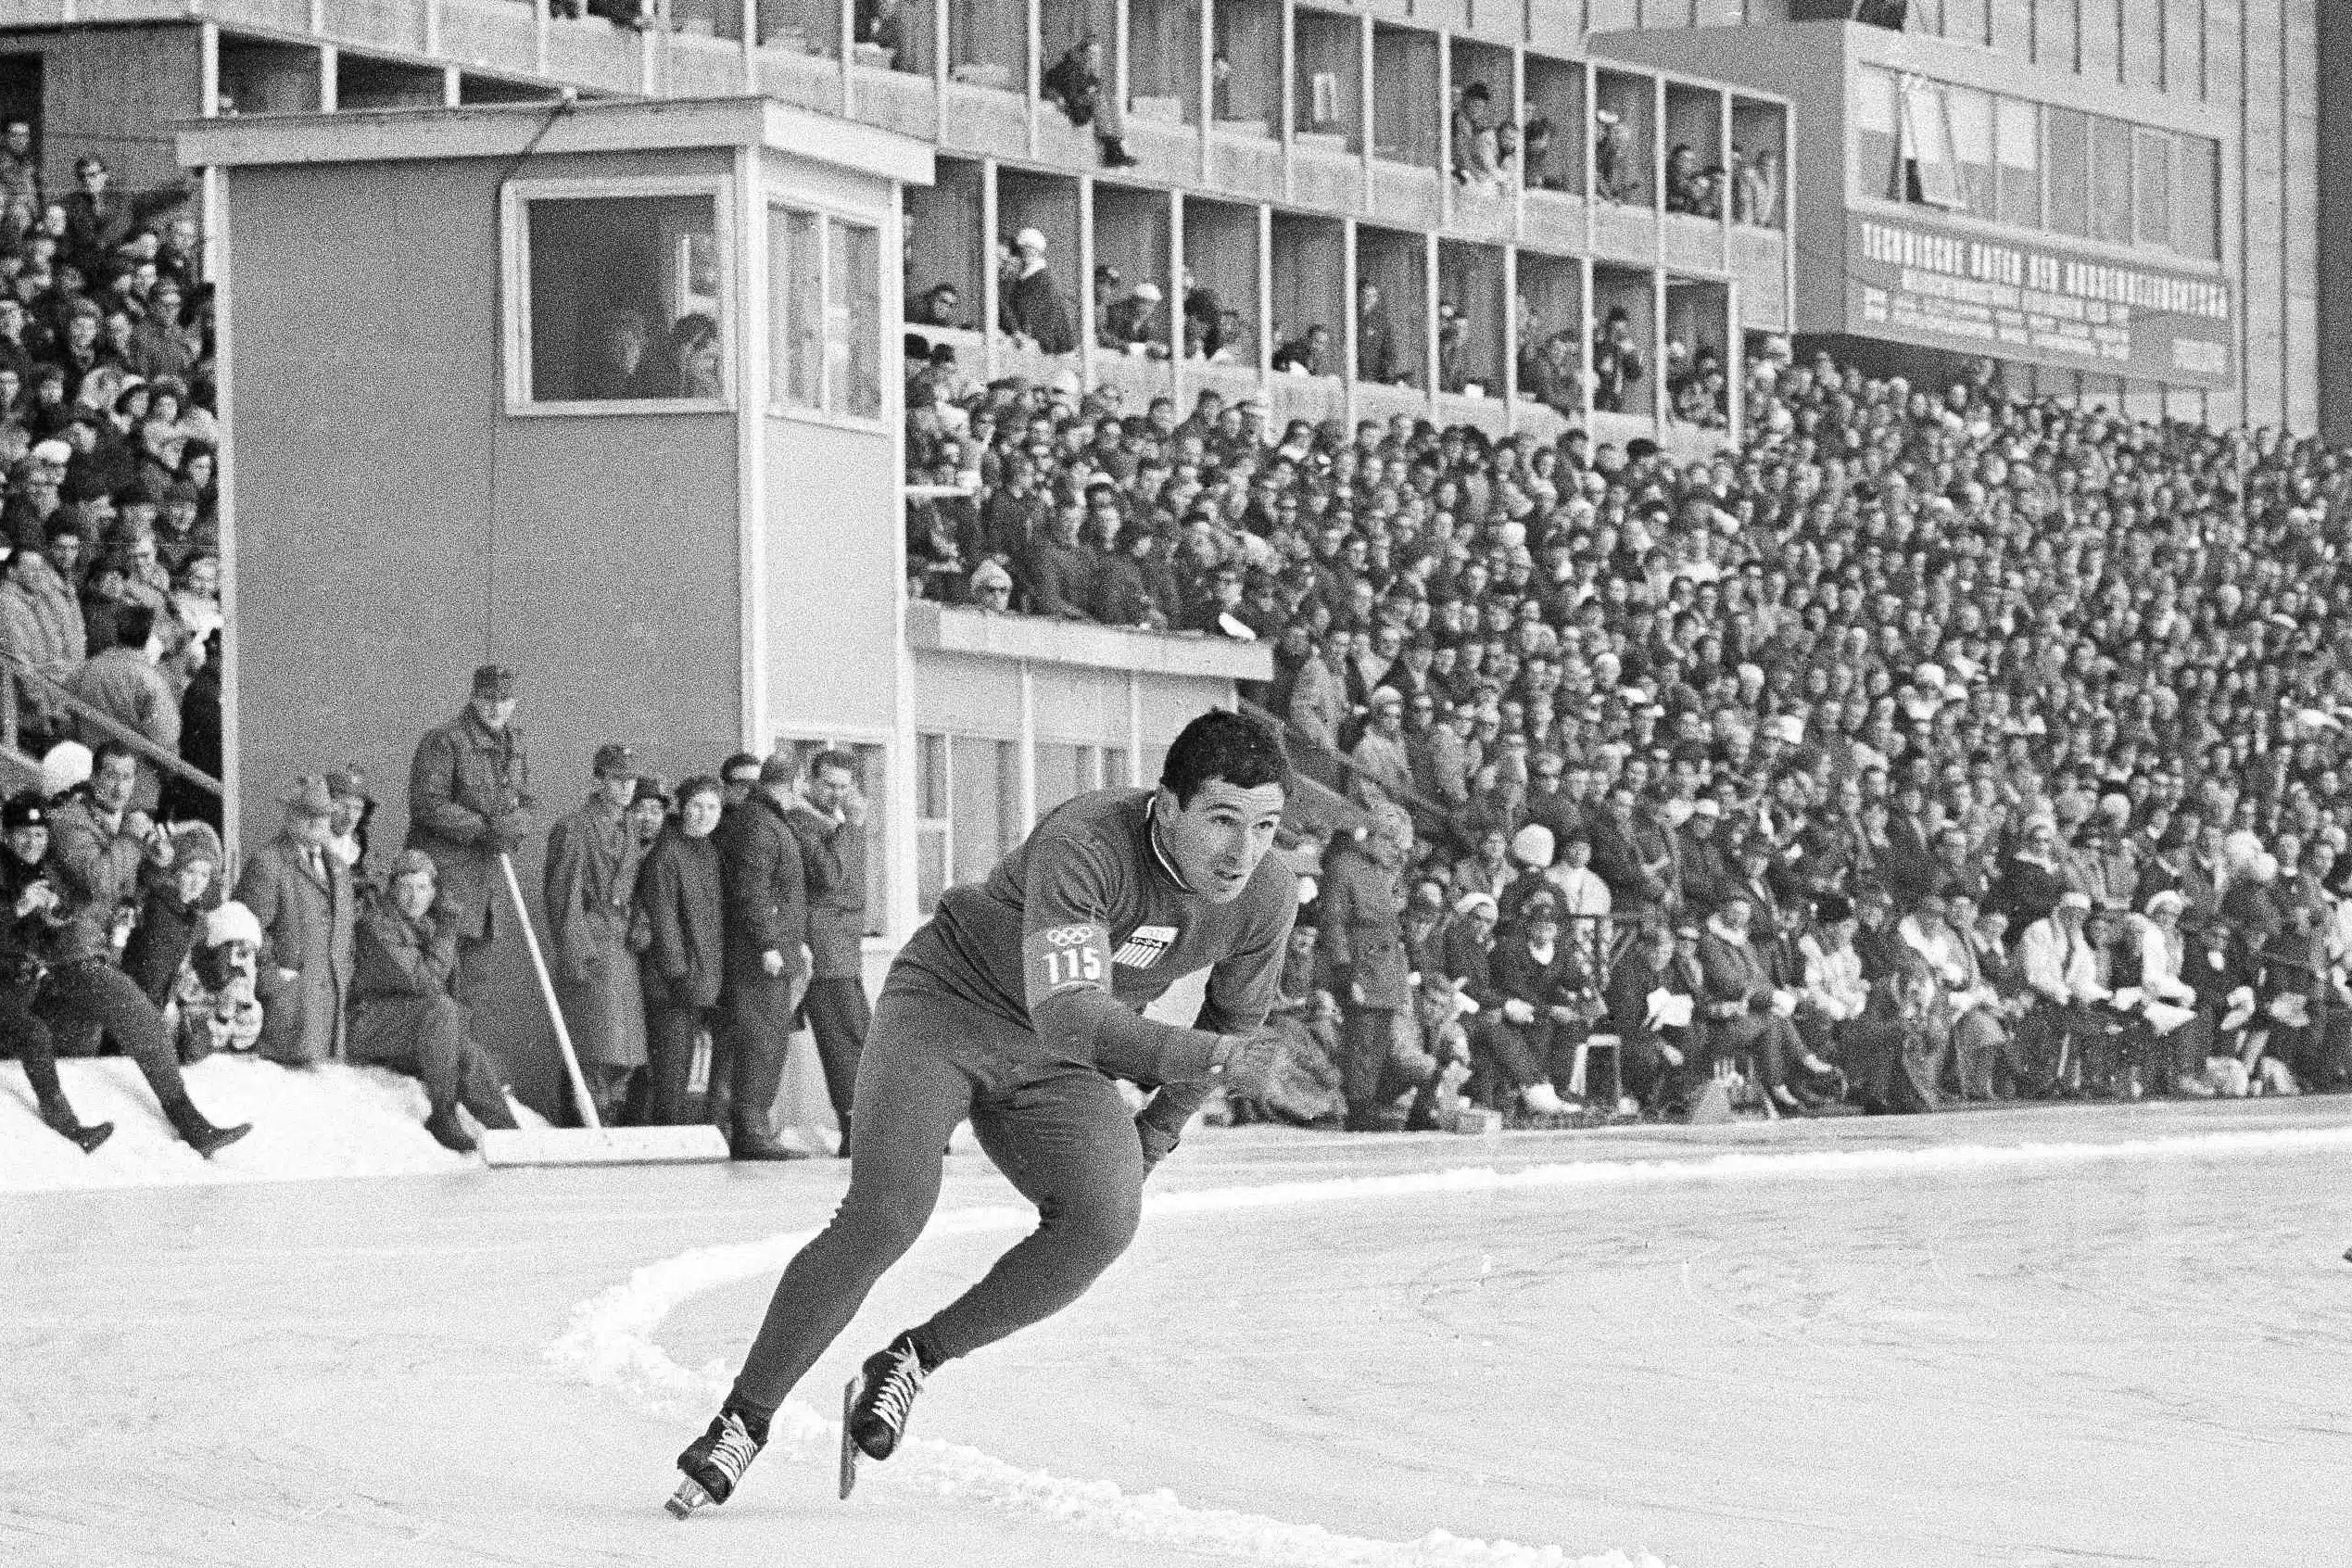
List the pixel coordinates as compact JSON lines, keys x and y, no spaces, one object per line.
{"x":1245,"y":1063}
{"x":1159,"y":1142}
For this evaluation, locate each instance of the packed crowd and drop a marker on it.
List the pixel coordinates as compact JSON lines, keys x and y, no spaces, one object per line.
{"x":1935,"y":744}
{"x":109,"y":593}
{"x":689,"y":925}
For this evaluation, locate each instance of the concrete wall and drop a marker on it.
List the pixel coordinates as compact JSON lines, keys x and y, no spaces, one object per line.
{"x":393,"y":528}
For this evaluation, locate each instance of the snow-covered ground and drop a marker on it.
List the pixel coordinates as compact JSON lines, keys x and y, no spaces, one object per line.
{"x":2034,"y":1337}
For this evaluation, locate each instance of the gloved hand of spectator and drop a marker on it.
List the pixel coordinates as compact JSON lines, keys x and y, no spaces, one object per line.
{"x":1245,"y":1063}
{"x":1518,"y":1012}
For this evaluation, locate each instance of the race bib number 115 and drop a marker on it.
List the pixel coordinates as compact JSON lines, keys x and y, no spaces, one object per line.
{"x":1063,"y":958}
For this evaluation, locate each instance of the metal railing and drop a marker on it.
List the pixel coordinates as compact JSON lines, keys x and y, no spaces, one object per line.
{"x":18,"y":673}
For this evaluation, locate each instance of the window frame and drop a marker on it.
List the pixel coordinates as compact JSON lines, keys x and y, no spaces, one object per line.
{"x":828,"y":214}
{"x":515,"y":199}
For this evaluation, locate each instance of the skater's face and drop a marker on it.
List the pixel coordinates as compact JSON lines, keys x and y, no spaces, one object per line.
{"x":1216,"y":842}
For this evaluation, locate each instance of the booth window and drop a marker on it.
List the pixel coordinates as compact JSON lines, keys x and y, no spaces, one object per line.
{"x":623,"y":303}
{"x":824,"y":311}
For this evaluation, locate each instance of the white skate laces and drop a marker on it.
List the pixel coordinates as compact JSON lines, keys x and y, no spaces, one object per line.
{"x":734,"y":1448}
{"x":895,"y":1399}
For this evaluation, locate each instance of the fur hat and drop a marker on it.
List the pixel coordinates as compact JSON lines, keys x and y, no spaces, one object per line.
{"x":1532,"y":845}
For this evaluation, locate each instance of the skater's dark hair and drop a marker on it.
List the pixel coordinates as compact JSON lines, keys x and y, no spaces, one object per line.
{"x":1243,"y":752}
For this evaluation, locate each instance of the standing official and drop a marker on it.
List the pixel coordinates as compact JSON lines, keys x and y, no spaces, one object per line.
{"x":828,"y":822}
{"x":470,"y":802}
{"x":302,"y":894}
{"x":767,"y":963}
{"x":590,"y":882}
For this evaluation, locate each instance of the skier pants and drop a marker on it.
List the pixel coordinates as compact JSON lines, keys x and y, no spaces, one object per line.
{"x":1057,"y":1130}
{"x":91,"y":997}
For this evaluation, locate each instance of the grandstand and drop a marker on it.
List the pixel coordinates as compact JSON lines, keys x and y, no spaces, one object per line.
{"x":1538,"y":366}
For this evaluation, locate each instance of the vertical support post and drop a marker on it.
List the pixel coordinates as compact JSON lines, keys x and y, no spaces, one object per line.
{"x":329,"y":57}
{"x":1026,"y":796}
{"x":1658,"y":346}
{"x":452,"y":88}
{"x":1511,"y":335}
{"x":1287,"y":132}
{"x":1430,"y":290}
{"x":1348,"y":282}
{"x":753,"y":338}
{"x":1265,"y":237}
{"x":1445,"y":129}
{"x":1176,"y":296}
{"x":539,"y":28}
{"x":991,"y":283}
{"x":1089,"y":307}
{"x":1585,"y":350}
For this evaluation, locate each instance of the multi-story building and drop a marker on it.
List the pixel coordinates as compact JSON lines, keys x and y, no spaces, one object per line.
{"x":2122,"y":198}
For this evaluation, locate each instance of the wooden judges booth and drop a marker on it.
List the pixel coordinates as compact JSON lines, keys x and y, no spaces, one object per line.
{"x":608,"y":392}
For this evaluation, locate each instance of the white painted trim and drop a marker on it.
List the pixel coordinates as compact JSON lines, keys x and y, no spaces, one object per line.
{"x":751,"y":463}
{"x":225,"y":382}
{"x":1025,"y":801}
{"x":514,"y":241}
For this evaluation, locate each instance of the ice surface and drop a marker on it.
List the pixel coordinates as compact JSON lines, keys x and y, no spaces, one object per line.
{"x":2045,"y":1337}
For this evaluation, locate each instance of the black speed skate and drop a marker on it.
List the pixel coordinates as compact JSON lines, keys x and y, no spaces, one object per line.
{"x":714,"y":1463}
{"x":876,"y":1405}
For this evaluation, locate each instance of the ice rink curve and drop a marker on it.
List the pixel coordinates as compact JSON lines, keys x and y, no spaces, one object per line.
{"x":610,"y":1342}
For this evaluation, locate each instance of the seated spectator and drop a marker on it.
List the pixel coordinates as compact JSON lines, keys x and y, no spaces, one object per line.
{"x":1074,"y":84}
{"x":215,"y":1004}
{"x":1616,"y":362}
{"x":1129,"y":324}
{"x":1545,"y":1004}
{"x":1310,"y":353}
{"x":405,"y":1014}
{"x":940,"y":305}
{"x":178,"y":897}
{"x":1653,"y":1007}
{"x":2063,"y":970}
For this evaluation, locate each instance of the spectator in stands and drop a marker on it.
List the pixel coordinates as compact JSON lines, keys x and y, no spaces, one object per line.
{"x":1618,"y":175}
{"x":1310,"y":353}
{"x":470,"y":805}
{"x":124,"y":683}
{"x":1546,"y":1005}
{"x":1032,"y":307}
{"x":941,"y":305}
{"x":1616,"y":362}
{"x":681,"y":903}
{"x":1130,"y":324}
{"x":405,"y":1014}
{"x":21,"y":167}
{"x":880,"y":27}
{"x":216,"y":996}
{"x":308,"y":908}
{"x":740,"y":775}
{"x":1383,"y":769}
{"x":1375,"y":338}
{"x":2062,"y":966}
{"x":1653,"y":996}
{"x":176,"y":900}
{"x":1543,"y":172}
{"x":1074,"y":82}
{"x":1474,"y":145}
{"x":1691,"y":189}
{"x":589,"y":887}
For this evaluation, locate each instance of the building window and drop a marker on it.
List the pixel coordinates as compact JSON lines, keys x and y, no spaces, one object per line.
{"x":934,"y":829}
{"x":2196,"y":190}
{"x":1930,"y":173}
{"x":985,"y":819}
{"x":2152,"y":203}
{"x":2111,"y":181}
{"x":2067,"y":154}
{"x":825,"y":309}
{"x":619,"y":301}
{"x":1876,"y":136}
{"x":1971,"y":118}
{"x":2017,"y":133}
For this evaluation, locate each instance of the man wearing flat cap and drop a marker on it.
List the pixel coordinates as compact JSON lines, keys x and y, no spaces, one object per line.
{"x":470,"y":802}
{"x":302,"y":895}
{"x":592,"y":857}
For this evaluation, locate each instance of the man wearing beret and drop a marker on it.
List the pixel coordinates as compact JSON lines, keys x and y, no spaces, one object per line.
{"x":470,"y":801}
{"x":302,"y":894}
{"x":591,"y":878}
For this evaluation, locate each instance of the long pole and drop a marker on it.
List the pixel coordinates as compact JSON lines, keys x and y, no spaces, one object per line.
{"x":581,"y":1095}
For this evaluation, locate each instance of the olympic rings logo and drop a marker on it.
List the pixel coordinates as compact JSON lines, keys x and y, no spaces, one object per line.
{"x":1067,"y":936}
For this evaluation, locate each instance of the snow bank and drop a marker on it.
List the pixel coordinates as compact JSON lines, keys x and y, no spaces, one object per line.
{"x":331,"y":1120}
{"x":610,"y":1342}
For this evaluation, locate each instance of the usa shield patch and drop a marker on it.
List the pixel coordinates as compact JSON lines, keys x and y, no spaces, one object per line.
{"x":1144,"y":945}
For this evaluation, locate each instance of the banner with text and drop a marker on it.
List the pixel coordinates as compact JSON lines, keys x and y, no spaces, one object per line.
{"x":1940,"y":288}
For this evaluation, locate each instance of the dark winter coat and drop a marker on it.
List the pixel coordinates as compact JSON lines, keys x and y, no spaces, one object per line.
{"x":469,"y":799}
{"x":833,"y":881}
{"x":403,"y":970}
{"x":589,"y":890}
{"x":682,"y":899}
{"x":1362,"y":937}
{"x":766,"y":892}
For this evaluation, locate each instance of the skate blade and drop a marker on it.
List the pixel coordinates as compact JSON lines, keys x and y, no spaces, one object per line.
{"x":848,"y":1445}
{"x":689,"y":1497}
